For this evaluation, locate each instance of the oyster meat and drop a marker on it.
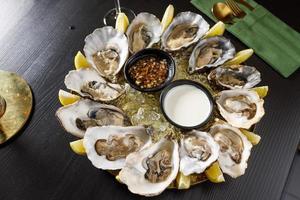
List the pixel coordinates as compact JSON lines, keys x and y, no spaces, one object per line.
{"x":77,"y":117}
{"x":240,"y":107}
{"x":185,"y":29}
{"x":108,"y":146}
{"x":211,"y":52}
{"x":107,"y":50}
{"x":150,"y":171}
{"x":234,"y":149}
{"x":198,"y":150}
{"x":88,"y":83}
{"x":235,"y":77}
{"x":144,"y":30}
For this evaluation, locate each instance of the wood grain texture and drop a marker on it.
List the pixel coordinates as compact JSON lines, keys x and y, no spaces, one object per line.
{"x":36,"y":43}
{"x":287,"y":196}
{"x":293,"y":181}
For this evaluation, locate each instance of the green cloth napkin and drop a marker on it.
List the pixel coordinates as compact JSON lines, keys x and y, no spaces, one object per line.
{"x":273,"y":40}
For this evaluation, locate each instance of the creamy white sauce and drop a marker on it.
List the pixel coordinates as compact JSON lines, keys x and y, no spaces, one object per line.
{"x":187,"y":105}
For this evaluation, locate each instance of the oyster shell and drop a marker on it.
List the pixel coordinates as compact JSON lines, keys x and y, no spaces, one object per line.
{"x":106,"y":50}
{"x":108,"y":146}
{"x":144,"y":30}
{"x":88,"y":83}
{"x":198,"y":150}
{"x":77,"y":117}
{"x":211,"y":52}
{"x":235,"y":77}
{"x":240,"y":107}
{"x":185,"y":29}
{"x":234,"y":149}
{"x":151,"y":170}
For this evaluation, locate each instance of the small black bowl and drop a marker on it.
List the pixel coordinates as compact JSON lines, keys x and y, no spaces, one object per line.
{"x":146,"y":53}
{"x":186,"y":82}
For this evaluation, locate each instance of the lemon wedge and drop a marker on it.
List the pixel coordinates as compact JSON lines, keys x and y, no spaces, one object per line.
{"x":240,"y":57}
{"x":214,"y":173}
{"x":261,"y":91}
{"x":66,"y":98}
{"x":217,"y":29}
{"x":80,"y":61}
{"x":122,"y":22}
{"x":77,"y":147}
{"x":182,"y":181}
{"x":168,"y":17}
{"x":252,"y":137}
{"x":118,"y":178}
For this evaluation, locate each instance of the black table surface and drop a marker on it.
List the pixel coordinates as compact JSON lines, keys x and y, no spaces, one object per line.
{"x":37,"y":43}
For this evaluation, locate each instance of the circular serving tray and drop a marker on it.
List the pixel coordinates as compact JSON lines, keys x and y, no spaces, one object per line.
{"x":143,"y":108}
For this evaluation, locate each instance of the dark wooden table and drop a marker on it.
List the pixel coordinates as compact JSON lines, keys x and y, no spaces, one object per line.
{"x":37,"y":43}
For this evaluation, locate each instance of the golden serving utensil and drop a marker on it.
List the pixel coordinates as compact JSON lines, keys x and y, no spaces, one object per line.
{"x":237,"y":11}
{"x":15,"y":104}
{"x":223,"y":13}
{"x":245,"y":3}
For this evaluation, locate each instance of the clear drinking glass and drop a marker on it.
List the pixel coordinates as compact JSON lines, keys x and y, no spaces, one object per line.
{"x":111,"y":16}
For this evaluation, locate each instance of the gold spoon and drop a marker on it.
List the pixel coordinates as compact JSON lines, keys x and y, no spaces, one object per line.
{"x":223,"y":13}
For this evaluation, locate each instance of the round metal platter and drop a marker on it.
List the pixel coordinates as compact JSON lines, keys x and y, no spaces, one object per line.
{"x":143,"y":108}
{"x":17,"y":94}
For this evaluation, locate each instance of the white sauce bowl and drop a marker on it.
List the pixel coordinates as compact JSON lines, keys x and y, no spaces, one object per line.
{"x":186,"y":104}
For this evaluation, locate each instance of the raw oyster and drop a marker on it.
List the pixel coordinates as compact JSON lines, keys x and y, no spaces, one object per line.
{"x":88,"y":83}
{"x":240,"y":107}
{"x":211,"y":52}
{"x":106,"y":50}
{"x":235,"y":77}
{"x":198,"y":150}
{"x":144,"y":30}
{"x":151,"y":170}
{"x":108,"y":146}
{"x":77,"y":117}
{"x":185,"y":29}
{"x":234,"y":149}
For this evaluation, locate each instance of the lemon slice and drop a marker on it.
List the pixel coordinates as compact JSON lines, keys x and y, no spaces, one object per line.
{"x":261,"y":91}
{"x":118,"y":179}
{"x":217,"y":29}
{"x":77,"y":147}
{"x":80,"y":61}
{"x":214,"y":173}
{"x":66,"y":98}
{"x":182,"y":181}
{"x":168,"y":17}
{"x":252,"y":137}
{"x":240,"y":57}
{"x":122,"y":22}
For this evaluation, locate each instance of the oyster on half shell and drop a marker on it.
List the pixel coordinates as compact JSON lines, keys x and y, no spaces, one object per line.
{"x":211,"y":52}
{"x":235,"y":77}
{"x":198,"y":150}
{"x":234,"y":149}
{"x":144,"y":30}
{"x":240,"y":107}
{"x":108,"y":146}
{"x":78,"y":117}
{"x":107,"y":50}
{"x":150,"y":171}
{"x":185,"y":29}
{"x":88,"y":83}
